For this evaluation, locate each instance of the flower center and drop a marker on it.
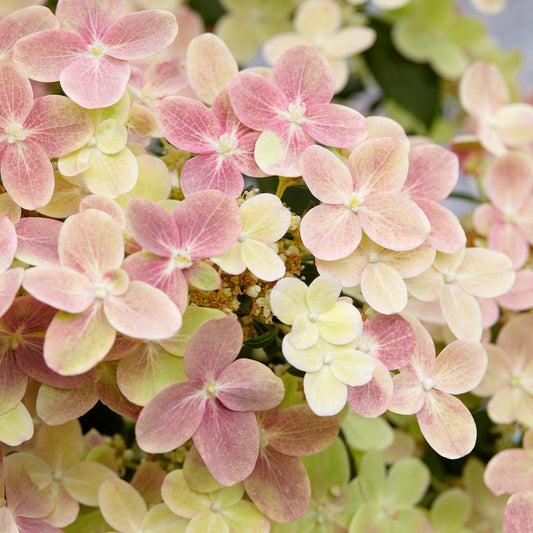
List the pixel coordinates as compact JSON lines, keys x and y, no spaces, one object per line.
{"x":354,"y":202}
{"x":450,"y":277}
{"x":91,"y":142}
{"x":312,"y":317}
{"x":373,"y":257}
{"x":297,"y":113}
{"x":101,"y":290}
{"x":227,"y":145}
{"x":181,"y":260}
{"x":516,"y":379}
{"x":96,"y":49}
{"x":510,"y":218}
{"x":328,"y":359}
{"x":427,"y":384}
{"x":210,"y":389}
{"x":15,"y":132}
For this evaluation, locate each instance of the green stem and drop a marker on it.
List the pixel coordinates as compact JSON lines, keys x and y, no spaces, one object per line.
{"x":464,"y":196}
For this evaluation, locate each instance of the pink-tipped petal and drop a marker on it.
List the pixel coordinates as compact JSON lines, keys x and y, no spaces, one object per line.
{"x":43,"y":55}
{"x":95,"y":82}
{"x":509,"y":471}
{"x":520,"y":296}
{"x":304,"y":75}
{"x":228,"y":442}
{"x":330,"y":232}
{"x":209,"y":223}
{"x":171,"y":417}
{"x":335,"y":125}
{"x":141,"y":34}
{"x":211,"y":171}
{"x":326,"y":175}
{"x":143,"y":312}
{"x":188,"y":124}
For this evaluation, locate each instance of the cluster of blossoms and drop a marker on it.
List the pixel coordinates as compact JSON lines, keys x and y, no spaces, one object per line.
{"x":145,"y":264}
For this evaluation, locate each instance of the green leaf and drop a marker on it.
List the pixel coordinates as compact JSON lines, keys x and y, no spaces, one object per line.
{"x":209,"y":10}
{"x":413,"y":86}
{"x":263,"y":340}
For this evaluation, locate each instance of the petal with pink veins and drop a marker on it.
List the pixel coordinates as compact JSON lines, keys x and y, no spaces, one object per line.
{"x":10,"y":373}
{"x":408,"y":396}
{"x":509,"y":182}
{"x":37,"y":240}
{"x":95,"y":82}
{"x":433,"y":172}
{"x":279,"y":486}
{"x":152,"y":227}
{"x":509,"y":471}
{"x":383,"y":288}
{"x":171,"y":417}
{"x":228,"y":442}
{"x":17,"y":95}
{"x":378,"y":166}
{"x":209,"y":223}
{"x":91,"y":20}
{"x":518,"y":515}
{"x":447,"y":425}
{"x":210,"y":66}
{"x":330,"y":232}
{"x":188,"y":124}
{"x":304,"y":75}
{"x":373,"y":398}
{"x":247,"y":385}
{"x":27,"y":175}
{"x":446,"y":234}
{"x":335,"y":125}
{"x":326,"y":175}
{"x":257,"y":101}
{"x":279,"y":148}
{"x":214,"y":346}
{"x":244,"y":155}
{"x":510,"y":240}
{"x":76,"y":343}
{"x":393,"y":221}
{"x":43,"y":55}
{"x":459,"y":367}
{"x":140,"y":34}
{"x":60,"y":287}
{"x":91,"y":242}
{"x":211,"y":172}
{"x":58,"y":125}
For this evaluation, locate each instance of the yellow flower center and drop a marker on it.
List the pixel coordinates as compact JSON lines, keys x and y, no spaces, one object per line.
{"x":181,"y":260}
{"x":297,"y":113}
{"x":354,"y":202}
{"x":227,"y":145}
{"x":15,"y":132}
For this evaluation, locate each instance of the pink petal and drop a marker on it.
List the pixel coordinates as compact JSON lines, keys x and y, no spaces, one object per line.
{"x":143,"y":312}
{"x":461,"y":312}
{"x":335,"y":125}
{"x":447,"y":425}
{"x":228,"y":442}
{"x":520,"y":296}
{"x":393,"y":221}
{"x":244,"y":155}
{"x":326,"y":175}
{"x":459,"y":367}
{"x":279,"y":148}
{"x":141,"y":34}
{"x":171,"y":417}
{"x":151,"y":225}
{"x":304,"y":75}
{"x":509,"y":182}
{"x":423,"y":357}
{"x":509,"y":471}
{"x":37,"y":240}
{"x":8,"y":243}
{"x":485,"y":216}
{"x":510,"y":240}
{"x":91,"y":242}
{"x":60,"y":287}
{"x":209,"y":223}
{"x":279,"y":486}
{"x":58,"y":125}
{"x":433,"y":172}
{"x":516,"y":337}
{"x":247,"y":385}
{"x":90,"y":19}
{"x":27,"y":175}
{"x":257,"y":101}
{"x":76,"y":343}
{"x":378,"y":166}
{"x":518,"y":516}
{"x":188,"y":124}
{"x":383,"y":288}
{"x":95,"y":82}
{"x":10,"y":282}
{"x":43,"y":55}
{"x":349,"y":269}
{"x":408,"y":395}
{"x":17,"y":95}
{"x":14,"y":381}
{"x":155,"y":271}
{"x":211,"y":171}
{"x":390,"y":339}
{"x":330,"y":232}
{"x":446,"y":235}
{"x":214,"y":346}
{"x":372,"y":400}
{"x":483,"y":90}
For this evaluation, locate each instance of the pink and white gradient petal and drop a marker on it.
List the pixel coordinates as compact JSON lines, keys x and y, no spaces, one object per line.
{"x":372,"y":399}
